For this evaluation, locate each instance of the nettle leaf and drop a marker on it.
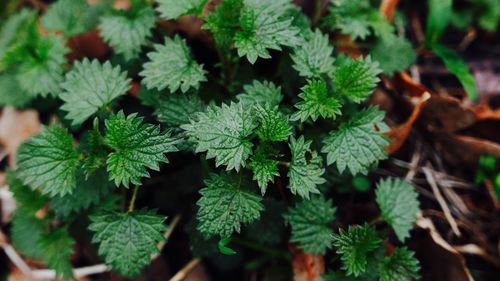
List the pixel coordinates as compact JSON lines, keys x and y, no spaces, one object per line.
{"x":175,"y":110}
{"x":11,"y":92}
{"x":263,"y":166}
{"x":355,"y":247}
{"x":304,"y":174}
{"x":225,"y":205}
{"x":57,"y":248}
{"x":128,"y":240}
{"x":399,"y":204}
{"x":264,"y":25}
{"x":15,"y":28}
{"x":128,"y":31}
{"x":394,"y":53}
{"x":67,"y":16}
{"x":49,"y":161}
{"x":401,"y":265}
{"x":172,"y":66}
{"x":223,"y":132}
{"x":273,"y":125}
{"x":357,"y":79}
{"x":258,"y":92}
{"x":137,"y":145}
{"x":224,"y":22}
{"x":314,"y":57}
{"x":88,"y":192}
{"x":28,"y":199}
{"x":25,"y":232}
{"x":350,"y":17}
{"x":172,"y":9}
{"x":316,"y":102}
{"x":358,"y":143}
{"x":90,"y":86}
{"x":310,"y":222}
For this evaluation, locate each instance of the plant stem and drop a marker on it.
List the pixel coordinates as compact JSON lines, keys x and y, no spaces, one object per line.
{"x":132,"y":201}
{"x":318,"y":10}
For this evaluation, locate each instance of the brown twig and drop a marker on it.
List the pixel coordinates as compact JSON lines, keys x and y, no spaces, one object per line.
{"x":181,"y":274}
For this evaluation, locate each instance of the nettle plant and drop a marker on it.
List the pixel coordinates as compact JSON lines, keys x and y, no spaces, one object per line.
{"x":263,"y":137}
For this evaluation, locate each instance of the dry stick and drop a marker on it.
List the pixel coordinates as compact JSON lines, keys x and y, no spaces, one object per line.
{"x":432,"y":182}
{"x":181,"y":274}
{"x":167,"y":234}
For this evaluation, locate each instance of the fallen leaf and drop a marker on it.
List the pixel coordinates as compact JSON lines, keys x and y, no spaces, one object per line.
{"x":306,"y":267}
{"x":15,"y":127}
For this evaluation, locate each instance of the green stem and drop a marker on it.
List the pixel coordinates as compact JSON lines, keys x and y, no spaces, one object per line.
{"x":318,"y":5}
{"x":132,"y":201}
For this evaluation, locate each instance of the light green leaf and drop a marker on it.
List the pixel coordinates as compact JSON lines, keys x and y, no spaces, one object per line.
{"x":310,"y":221}
{"x":90,"y":86}
{"x":273,"y":125}
{"x":172,"y":66}
{"x":67,"y":16}
{"x":316,"y":102}
{"x":137,"y":146}
{"x":355,"y":247}
{"x":258,"y":92}
{"x":264,"y":167}
{"x":264,"y":26}
{"x":223,"y":132}
{"x":128,"y":31}
{"x":305,"y":174}
{"x":358,"y":143}
{"x":394,"y":54}
{"x":314,"y":57}
{"x":172,"y":9}
{"x":225,"y":205}
{"x":57,"y":248}
{"x":398,"y":202}
{"x":49,"y":161}
{"x":438,"y":19}
{"x":401,"y":265}
{"x":128,"y":240}
{"x":175,"y":110}
{"x":357,"y":79}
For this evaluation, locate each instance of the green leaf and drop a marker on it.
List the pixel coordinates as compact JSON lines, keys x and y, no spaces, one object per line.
{"x":357,"y":79}
{"x":394,"y":54}
{"x":316,"y":102}
{"x":90,"y":86}
{"x":263,"y":166}
{"x":223,"y":132}
{"x":14,"y":29}
{"x":175,"y":110}
{"x":67,"y":16}
{"x":310,"y":222}
{"x":25,"y":233}
{"x":350,"y":17}
{"x":314,"y":57}
{"x":224,"y":22}
{"x":258,"y":92}
{"x":172,"y":9}
{"x":172,"y":66}
{"x":40,"y":71}
{"x":137,"y":146}
{"x":355,"y":248}
{"x":128,"y":240}
{"x":223,"y":248}
{"x":399,"y":204}
{"x":264,"y":26}
{"x":457,"y":67}
{"x":225,"y":205}
{"x":49,"y":161}
{"x":128,"y":31}
{"x":358,"y":143}
{"x":273,"y":125}
{"x":88,"y":192}
{"x":28,"y":199}
{"x":401,"y":265}
{"x":438,"y":19}
{"x":57,"y":248}
{"x":11,"y":92}
{"x":305,"y":173}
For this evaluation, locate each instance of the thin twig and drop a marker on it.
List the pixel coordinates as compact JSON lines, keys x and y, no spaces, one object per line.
{"x":134,"y":197}
{"x":181,"y":274}
{"x":167,"y":234}
{"x":446,"y":210}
